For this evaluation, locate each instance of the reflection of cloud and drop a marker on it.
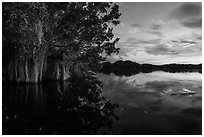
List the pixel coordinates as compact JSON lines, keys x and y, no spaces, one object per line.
{"x":141,"y":79}
{"x":154,"y":90}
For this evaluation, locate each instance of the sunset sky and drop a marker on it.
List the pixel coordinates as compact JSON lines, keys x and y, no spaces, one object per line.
{"x":160,"y":33}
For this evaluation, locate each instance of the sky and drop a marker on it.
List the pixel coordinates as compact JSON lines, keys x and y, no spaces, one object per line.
{"x":160,"y":33}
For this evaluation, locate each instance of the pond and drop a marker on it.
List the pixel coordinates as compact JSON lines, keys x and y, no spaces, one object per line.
{"x":145,"y":103}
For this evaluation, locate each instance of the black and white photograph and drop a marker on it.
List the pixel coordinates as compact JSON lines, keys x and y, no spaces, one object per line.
{"x":101,"y":68}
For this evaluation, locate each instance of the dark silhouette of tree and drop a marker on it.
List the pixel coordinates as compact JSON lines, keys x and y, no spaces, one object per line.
{"x":129,"y":68}
{"x":71,"y":33}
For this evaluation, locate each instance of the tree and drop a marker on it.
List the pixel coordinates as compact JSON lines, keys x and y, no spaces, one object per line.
{"x":74,"y":33}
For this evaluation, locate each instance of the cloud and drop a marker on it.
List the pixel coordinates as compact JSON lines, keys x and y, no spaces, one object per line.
{"x":161,"y":49}
{"x":156,"y":27}
{"x":132,"y":41}
{"x":153,"y":41}
{"x":136,"y":25}
{"x":184,"y":41}
{"x":119,"y":33}
{"x":197,"y":23}
{"x":199,"y":37}
{"x":188,"y":15}
{"x":185,"y":44}
{"x":134,"y":30}
{"x":157,"y":33}
{"x":187,"y":10}
{"x":137,"y":50}
{"x":122,"y":24}
{"x":175,"y":48}
{"x":188,"y":42}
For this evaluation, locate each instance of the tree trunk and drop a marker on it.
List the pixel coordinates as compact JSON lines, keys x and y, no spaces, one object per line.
{"x":32,"y":70}
{"x":20,"y":71}
{"x":41,"y":67}
{"x":36,"y":71}
{"x":26,"y":72}
{"x":65,"y":72}
{"x":11,"y":72}
{"x":15,"y":68}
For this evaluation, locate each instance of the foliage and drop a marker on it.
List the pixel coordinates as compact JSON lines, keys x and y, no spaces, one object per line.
{"x":79,"y":31}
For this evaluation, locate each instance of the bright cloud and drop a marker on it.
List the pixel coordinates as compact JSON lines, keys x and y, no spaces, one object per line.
{"x":160,"y":33}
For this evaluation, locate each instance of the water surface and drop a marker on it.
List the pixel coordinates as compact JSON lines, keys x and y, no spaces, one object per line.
{"x":145,"y":103}
{"x":156,"y":103}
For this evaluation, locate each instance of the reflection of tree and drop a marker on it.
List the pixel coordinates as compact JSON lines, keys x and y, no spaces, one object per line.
{"x":75,"y":107}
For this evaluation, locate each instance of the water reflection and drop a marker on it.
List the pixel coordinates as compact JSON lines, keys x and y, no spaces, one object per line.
{"x":75,"y":107}
{"x":149,"y":103}
{"x":130,"y":72}
{"x":156,"y":103}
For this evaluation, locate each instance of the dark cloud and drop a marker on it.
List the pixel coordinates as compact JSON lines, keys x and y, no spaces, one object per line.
{"x":189,"y":15}
{"x":187,"y":10}
{"x":184,"y":41}
{"x":188,"y":42}
{"x":175,"y":41}
{"x":156,"y":27}
{"x":197,"y":23}
{"x":199,"y":37}
{"x":136,"y":25}
{"x":161,"y":50}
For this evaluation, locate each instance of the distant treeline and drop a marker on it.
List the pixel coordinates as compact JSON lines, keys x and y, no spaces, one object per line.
{"x":129,"y":68}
